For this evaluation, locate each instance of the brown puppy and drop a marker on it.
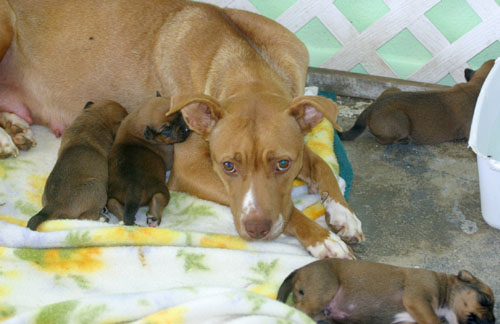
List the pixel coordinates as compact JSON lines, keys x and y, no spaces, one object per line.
{"x":428,"y":117}
{"x":345,"y":291}
{"x":140,"y":158}
{"x":76,"y":187}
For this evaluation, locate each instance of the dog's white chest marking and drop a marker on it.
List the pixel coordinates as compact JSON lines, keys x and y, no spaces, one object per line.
{"x":447,"y":313}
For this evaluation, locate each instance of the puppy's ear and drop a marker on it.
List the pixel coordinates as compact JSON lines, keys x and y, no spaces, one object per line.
{"x":309,"y":111}
{"x":200,"y":112}
{"x":286,"y":287}
{"x":468,"y":73}
{"x":466,"y":276}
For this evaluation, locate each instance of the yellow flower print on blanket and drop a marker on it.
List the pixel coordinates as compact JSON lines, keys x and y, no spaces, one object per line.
{"x":35,"y":190}
{"x":174,"y":315}
{"x":221,"y":241}
{"x":136,"y":235}
{"x":63,"y":261}
{"x":320,"y":141}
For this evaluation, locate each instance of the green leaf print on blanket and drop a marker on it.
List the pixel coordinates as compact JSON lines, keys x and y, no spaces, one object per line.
{"x":192,"y":261}
{"x":80,"y":281}
{"x":33,"y":255}
{"x":256,"y":301}
{"x":7,"y":311}
{"x":26,"y":208}
{"x":264,"y":271}
{"x":187,"y":211}
{"x":90,"y":314}
{"x":56,"y":313}
{"x":8,"y":166}
{"x":76,"y":239}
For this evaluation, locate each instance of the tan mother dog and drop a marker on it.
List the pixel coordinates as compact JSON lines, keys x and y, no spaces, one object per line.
{"x":77,"y":185}
{"x":427,"y":117}
{"x":250,"y":70}
{"x":345,"y":291}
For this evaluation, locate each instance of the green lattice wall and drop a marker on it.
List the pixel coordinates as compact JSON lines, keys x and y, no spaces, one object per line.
{"x":425,"y":40}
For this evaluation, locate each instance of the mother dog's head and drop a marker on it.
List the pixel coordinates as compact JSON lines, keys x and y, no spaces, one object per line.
{"x":256,"y":145}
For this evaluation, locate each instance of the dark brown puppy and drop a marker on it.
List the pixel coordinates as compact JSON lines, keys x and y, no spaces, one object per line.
{"x":428,"y":117}
{"x":346,"y":291}
{"x":76,"y":187}
{"x":140,"y":158}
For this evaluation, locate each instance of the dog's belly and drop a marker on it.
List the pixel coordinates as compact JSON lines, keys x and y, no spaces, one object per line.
{"x":11,"y":97}
{"x":49,"y":74}
{"x":359,"y":307}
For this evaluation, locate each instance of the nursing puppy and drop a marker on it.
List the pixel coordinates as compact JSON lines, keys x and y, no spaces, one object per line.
{"x":346,"y":291}
{"x":76,"y":187}
{"x":140,"y":158}
{"x":427,"y":117}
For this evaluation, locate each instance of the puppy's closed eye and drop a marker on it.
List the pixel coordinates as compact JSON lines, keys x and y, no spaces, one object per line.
{"x":149,"y":133}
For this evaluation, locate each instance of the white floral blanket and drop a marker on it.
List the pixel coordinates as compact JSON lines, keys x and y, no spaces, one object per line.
{"x":194,"y":268}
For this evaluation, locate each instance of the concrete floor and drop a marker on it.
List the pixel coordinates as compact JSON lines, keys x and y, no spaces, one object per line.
{"x":420,"y":205}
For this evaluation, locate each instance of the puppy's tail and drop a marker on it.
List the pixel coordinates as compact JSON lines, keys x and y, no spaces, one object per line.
{"x":132,"y":203}
{"x":359,"y":126}
{"x":44,"y":214}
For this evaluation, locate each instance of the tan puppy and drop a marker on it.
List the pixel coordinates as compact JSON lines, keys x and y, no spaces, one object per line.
{"x":76,"y":187}
{"x":250,"y":69}
{"x":140,"y":158}
{"x":345,"y":291}
{"x":428,"y":117}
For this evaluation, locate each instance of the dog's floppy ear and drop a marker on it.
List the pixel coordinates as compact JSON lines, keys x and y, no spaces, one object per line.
{"x":466,"y":276}
{"x":286,"y":287}
{"x":310,"y":110}
{"x":200,"y":112}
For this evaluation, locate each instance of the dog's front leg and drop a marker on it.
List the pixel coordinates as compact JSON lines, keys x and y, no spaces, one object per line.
{"x":319,"y":241}
{"x":339,"y":216}
{"x":419,"y":309}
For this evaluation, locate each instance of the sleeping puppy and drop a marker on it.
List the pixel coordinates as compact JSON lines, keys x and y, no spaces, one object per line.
{"x":428,"y":117}
{"x":76,"y":187}
{"x":347,"y":291}
{"x":140,"y":158}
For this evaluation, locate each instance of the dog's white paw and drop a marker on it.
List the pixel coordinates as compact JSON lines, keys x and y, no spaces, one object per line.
{"x":19,"y":130}
{"x":331,"y":247}
{"x":7,"y":146}
{"x":343,"y":222}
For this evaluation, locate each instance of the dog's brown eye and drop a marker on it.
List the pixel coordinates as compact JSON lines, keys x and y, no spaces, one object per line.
{"x":282,"y":165}
{"x":301,"y":292}
{"x":228,"y":167}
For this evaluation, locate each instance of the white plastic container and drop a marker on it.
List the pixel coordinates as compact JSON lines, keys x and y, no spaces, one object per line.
{"x":485,"y":142}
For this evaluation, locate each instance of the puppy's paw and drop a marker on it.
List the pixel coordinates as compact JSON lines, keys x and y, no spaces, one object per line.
{"x":343,"y":222}
{"x":7,"y":146}
{"x":19,"y":130}
{"x":152,"y":221}
{"x":331,"y":247}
